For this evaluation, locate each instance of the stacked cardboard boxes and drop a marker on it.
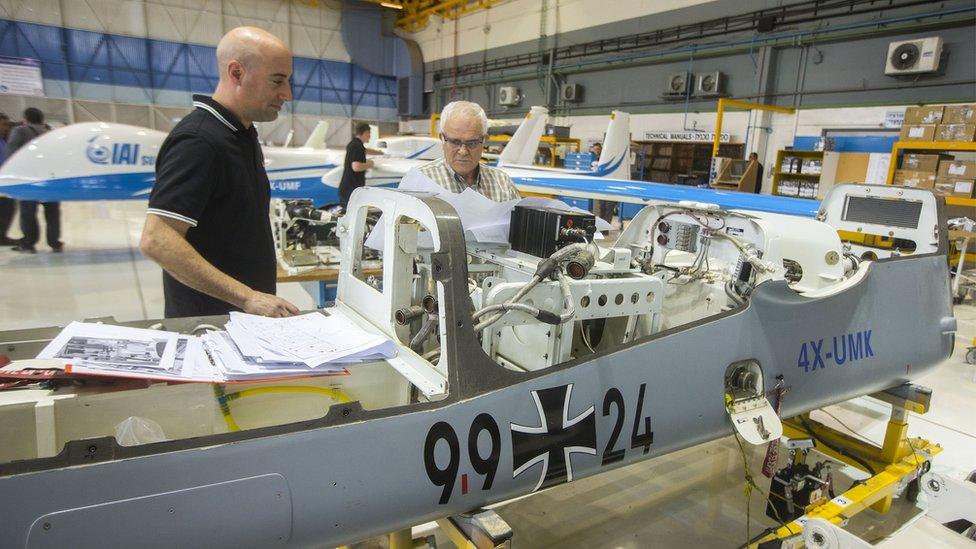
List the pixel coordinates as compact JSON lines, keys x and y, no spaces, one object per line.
{"x":921,"y":123}
{"x":956,"y":178}
{"x":958,"y":124}
{"x":919,"y":170}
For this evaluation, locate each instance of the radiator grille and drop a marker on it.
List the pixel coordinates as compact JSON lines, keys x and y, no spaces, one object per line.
{"x":883,"y":211}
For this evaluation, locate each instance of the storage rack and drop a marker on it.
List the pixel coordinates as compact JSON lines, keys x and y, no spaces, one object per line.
{"x":899,"y":147}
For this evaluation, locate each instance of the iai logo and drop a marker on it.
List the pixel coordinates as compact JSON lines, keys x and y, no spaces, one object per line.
{"x":98,"y":154}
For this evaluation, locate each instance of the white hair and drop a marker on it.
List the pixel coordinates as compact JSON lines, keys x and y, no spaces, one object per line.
{"x":464,"y":109}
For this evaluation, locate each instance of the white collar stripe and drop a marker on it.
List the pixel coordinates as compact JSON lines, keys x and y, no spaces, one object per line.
{"x":214,"y":112}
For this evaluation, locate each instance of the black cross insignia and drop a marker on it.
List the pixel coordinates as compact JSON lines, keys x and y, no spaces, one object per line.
{"x":555,"y":440}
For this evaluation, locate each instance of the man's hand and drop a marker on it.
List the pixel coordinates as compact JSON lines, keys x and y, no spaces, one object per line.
{"x":268,"y":305}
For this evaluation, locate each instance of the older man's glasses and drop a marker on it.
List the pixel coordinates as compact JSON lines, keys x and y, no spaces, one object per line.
{"x":458,"y":143}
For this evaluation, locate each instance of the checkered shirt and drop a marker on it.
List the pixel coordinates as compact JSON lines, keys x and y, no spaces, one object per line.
{"x":492,"y":182}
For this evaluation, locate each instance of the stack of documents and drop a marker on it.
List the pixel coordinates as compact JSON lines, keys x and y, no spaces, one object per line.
{"x":252,"y":348}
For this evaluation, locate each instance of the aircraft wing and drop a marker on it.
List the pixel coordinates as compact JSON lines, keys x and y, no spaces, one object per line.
{"x":640,"y":192}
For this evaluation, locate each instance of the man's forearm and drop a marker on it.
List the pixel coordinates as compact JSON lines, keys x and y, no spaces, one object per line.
{"x":176,"y":256}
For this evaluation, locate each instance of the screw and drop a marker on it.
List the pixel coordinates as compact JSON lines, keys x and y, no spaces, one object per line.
{"x":172,"y":511}
{"x":47,"y":525}
{"x":92,"y":449}
{"x":345,"y":412}
{"x":818,"y":538}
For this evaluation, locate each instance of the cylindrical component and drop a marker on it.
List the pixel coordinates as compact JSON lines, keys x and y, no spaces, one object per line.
{"x":579,"y":264}
{"x":430,"y":304}
{"x":407,"y":314}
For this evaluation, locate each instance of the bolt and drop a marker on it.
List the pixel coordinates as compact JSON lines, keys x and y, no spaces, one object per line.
{"x":47,"y":525}
{"x":345,"y":412}
{"x":92,"y":449}
{"x":934,"y":486}
{"x":818,"y":539}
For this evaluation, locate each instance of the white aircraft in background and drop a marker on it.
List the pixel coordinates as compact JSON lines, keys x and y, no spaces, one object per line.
{"x":609,"y":179}
{"x":109,"y":161}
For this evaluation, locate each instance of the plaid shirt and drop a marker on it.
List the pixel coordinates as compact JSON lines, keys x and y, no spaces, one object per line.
{"x":492,"y":182}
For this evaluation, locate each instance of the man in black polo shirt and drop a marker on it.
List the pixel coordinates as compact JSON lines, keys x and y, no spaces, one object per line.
{"x":355,"y":165}
{"x":207,"y":224}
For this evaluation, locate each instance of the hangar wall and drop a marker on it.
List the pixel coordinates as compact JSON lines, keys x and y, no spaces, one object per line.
{"x":805,"y":61}
{"x":139,"y":61}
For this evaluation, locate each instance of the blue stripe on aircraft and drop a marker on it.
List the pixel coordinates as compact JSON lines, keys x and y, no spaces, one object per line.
{"x":300,"y":168}
{"x":421,"y":151}
{"x":609,"y":167}
{"x":674,"y":193}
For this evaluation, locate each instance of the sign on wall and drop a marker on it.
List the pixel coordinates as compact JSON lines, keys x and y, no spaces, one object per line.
{"x":21,"y":76}
{"x":894,"y":119}
{"x":695,"y":137}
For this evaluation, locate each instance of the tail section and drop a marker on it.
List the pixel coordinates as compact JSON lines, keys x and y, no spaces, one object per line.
{"x":524,"y":144}
{"x":615,"y":159}
{"x":317,"y":139}
{"x":374,"y":136}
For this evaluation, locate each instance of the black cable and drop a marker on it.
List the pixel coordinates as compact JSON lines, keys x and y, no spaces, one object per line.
{"x":839,"y":450}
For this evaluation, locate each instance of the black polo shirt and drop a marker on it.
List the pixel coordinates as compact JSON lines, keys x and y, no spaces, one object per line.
{"x":210,"y":174}
{"x":351,"y":179}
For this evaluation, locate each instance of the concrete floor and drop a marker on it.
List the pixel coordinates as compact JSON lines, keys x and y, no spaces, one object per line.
{"x":692,"y":498}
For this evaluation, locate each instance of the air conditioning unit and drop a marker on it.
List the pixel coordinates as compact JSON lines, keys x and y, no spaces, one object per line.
{"x":709,"y":84}
{"x":508,"y":96}
{"x":571,"y":93}
{"x":677,"y":84}
{"x":914,"y":56}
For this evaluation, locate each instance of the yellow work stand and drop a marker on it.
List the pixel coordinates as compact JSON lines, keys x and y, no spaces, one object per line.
{"x":897,"y":462}
{"x":899,"y":147}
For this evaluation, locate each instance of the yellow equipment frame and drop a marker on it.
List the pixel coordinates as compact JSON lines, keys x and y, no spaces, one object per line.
{"x":724,"y":102}
{"x":897,"y":461}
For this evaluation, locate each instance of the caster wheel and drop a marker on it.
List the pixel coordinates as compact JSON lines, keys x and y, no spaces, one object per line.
{"x":971,"y":356}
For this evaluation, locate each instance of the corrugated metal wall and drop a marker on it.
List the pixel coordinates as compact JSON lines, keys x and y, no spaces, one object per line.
{"x":139,"y":61}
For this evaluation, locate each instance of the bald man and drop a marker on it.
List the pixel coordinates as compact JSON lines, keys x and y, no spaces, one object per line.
{"x":207,"y":223}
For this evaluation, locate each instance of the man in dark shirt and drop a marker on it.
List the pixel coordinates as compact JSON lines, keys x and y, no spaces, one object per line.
{"x":30,"y":129}
{"x":207,"y":224}
{"x":753,"y":157}
{"x":7,"y":205}
{"x":355,"y":165}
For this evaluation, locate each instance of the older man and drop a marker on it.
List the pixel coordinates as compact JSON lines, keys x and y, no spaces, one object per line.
{"x":207,"y":224}
{"x":464,"y":127}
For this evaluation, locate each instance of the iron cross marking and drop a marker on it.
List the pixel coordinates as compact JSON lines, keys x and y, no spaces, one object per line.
{"x":554,"y":441}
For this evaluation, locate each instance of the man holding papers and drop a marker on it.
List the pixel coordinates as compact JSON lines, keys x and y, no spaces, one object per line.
{"x":464,"y":127}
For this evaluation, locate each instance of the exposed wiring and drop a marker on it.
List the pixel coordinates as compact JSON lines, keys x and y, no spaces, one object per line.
{"x":841,"y":451}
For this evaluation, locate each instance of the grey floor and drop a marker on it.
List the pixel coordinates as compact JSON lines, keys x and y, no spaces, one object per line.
{"x":692,"y":498}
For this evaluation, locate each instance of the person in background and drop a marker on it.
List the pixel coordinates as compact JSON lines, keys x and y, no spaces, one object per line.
{"x":32,"y":127}
{"x":753,"y":157}
{"x":207,"y":223}
{"x":464,"y":128}
{"x":604,"y":209}
{"x":7,"y":205}
{"x":355,"y":165}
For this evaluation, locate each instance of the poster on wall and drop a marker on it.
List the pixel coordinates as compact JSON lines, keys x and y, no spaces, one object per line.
{"x":21,"y":76}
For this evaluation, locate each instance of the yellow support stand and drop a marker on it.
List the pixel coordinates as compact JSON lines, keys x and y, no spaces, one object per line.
{"x":898,"y":461}
{"x":735,"y":103}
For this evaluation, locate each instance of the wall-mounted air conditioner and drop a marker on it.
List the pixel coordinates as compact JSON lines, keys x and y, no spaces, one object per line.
{"x":508,"y":96}
{"x":914,"y":56}
{"x":677,"y":84}
{"x":571,"y":93}
{"x":709,"y":84}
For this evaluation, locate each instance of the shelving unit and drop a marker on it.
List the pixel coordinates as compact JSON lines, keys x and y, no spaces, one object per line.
{"x":664,"y":161}
{"x":806,"y":179}
{"x":900,"y":147}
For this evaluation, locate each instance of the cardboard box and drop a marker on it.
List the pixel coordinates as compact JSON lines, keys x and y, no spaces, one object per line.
{"x":918,"y":132}
{"x":911,"y":178}
{"x":923,"y":115}
{"x":960,"y":114}
{"x":922,"y":162}
{"x":961,"y":188}
{"x":956,"y":132}
{"x":957,"y":169}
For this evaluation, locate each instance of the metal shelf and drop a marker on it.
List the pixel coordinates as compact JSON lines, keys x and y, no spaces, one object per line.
{"x":955,"y":146}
